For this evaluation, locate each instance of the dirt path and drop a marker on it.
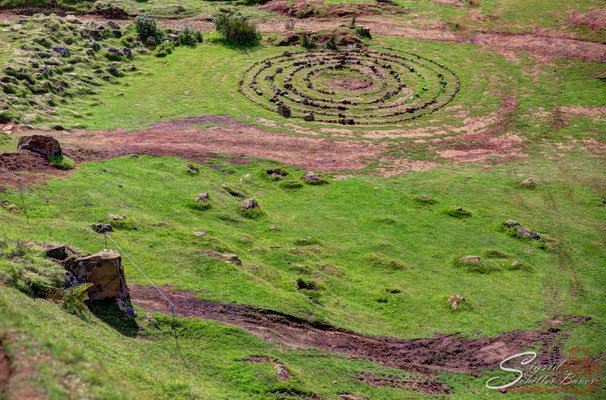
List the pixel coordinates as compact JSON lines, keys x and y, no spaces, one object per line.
{"x":429,"y":355}
{"x":5,"y":371}
{"x":542,"y":44}
{"x":182,"y":138}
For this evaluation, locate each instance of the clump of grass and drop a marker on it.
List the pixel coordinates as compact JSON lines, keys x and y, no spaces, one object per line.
{"x":251,"y":213}
{"x":290,"y":185}
{"x":123,"y":224}
{"x":458,"y":212}
{"x":519,"y":266}
{"x":495,"y":253}
{"x":26,"y":269}
{"x":74,"y":298}
{"x":307,"y":241}
{"x":383,"y":262}
{"x":425,"y":200}
{"x":306,"y":41}
{"x":475,"y":264}
{"x":62,"y":162}
{"x":198,"y":206}
{"x":307,"y":284}
{"x":317,"y":182}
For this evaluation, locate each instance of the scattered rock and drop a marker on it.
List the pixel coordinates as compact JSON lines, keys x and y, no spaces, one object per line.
{"x":192,"y":170}
{"x":201,"y":234}
{"x":284,"y":111}
{"x":249,"y":204}
{"x":232,"y":258}
{"x":60,"y":252}
{"x":202,"y":197}
{"x":455,"y":299}
{"x":510,"y":223}
{"x":46,"y":145}
{"x":528,"y":183}
{"x":470,"y":260}
{"x":308,"y":117}
{"x":282,"y":372}
{"x":310,"y":176}
{"x":116,"y":217}
{"x":13,"y":209}
{"x":527,"y":232}
{"x":101,"y":228}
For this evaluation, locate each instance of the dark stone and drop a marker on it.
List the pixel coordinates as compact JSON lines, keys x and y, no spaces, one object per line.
{"x":46,"y":145}
{"x":527,"y":232}
{"x":114,"y":71}
{"x":113,"y":25}
{"x":62,"y":51}
{"x":61,"y":252}
{"x":310,"y":176}
{"x":284,"y":111}
{"x":308,"y":117}
{"x":101,"y":228}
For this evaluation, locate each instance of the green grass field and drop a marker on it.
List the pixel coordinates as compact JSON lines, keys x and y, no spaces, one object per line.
{"x":363,"y":253}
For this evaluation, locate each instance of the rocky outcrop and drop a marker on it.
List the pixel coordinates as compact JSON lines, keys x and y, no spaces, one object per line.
{"x":46,"y":145}
{"x":104,"y":271}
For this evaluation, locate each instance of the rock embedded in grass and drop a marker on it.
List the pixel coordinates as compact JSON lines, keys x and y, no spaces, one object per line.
{"x":528,"y":183}
{"x":249,"y":204}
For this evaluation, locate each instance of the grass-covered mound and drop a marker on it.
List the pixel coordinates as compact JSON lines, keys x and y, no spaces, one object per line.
{"x":61,"y":60}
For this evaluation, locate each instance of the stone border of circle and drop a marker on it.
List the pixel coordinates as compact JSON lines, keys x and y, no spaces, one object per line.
{"x":355,"y":57}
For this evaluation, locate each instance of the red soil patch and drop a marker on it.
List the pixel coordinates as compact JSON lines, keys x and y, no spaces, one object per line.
{"x":5,"y":371}
{"x":181,"y":138}
{"x":309,"y":9}
{"x":595,"y":19}
{"x":428,"y":355}
{"x":27,"y":161}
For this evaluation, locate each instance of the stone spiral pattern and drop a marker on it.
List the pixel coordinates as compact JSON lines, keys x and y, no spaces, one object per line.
{"x":391,"y":87}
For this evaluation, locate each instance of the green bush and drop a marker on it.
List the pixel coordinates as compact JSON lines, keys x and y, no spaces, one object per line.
{"x":146,"y":27}
{"x":236,"y":29}
{"x":187,"y":37}
{"x":74,"y":298}
{"x":307,"y":42}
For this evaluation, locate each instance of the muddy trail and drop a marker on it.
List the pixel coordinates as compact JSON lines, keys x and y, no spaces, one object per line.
{"x":448,"y":353}
{"x":544,"y":44}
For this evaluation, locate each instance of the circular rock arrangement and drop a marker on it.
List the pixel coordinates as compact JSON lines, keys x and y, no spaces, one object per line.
{"x":357,"y":87}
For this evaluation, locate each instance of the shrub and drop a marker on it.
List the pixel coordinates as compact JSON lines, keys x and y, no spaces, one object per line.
{"x":307,"y":42}
{"x":146,"y":27}
{"x":236,"y":29}
{"x":62,"y":162}
{"x":187,"y":37}
{"x":382,"y":262}
{"x":74,"y":298}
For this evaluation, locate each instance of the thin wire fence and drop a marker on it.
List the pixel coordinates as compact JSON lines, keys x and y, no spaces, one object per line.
{"x":172,"y":305}
{"x":20,"y":182}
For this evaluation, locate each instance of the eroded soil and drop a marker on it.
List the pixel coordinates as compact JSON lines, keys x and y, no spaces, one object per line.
{"x":427,"y":355}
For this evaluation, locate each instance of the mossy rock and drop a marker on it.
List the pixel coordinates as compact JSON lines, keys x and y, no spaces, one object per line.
{"x":62,"y":162}
{"x":275,"y":174}
{"x":458,"y":212}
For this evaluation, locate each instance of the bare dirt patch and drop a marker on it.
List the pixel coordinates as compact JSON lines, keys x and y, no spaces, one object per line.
{"x":595,"y":19}
{"x":26,"y":161}
{"x":5,"y":371}
{"x":309,"y":9}
{"x":182,"y":138}
{"x":427,"y":355}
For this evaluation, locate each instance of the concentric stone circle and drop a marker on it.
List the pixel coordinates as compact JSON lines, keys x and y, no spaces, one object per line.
{"x":357,"y":87}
